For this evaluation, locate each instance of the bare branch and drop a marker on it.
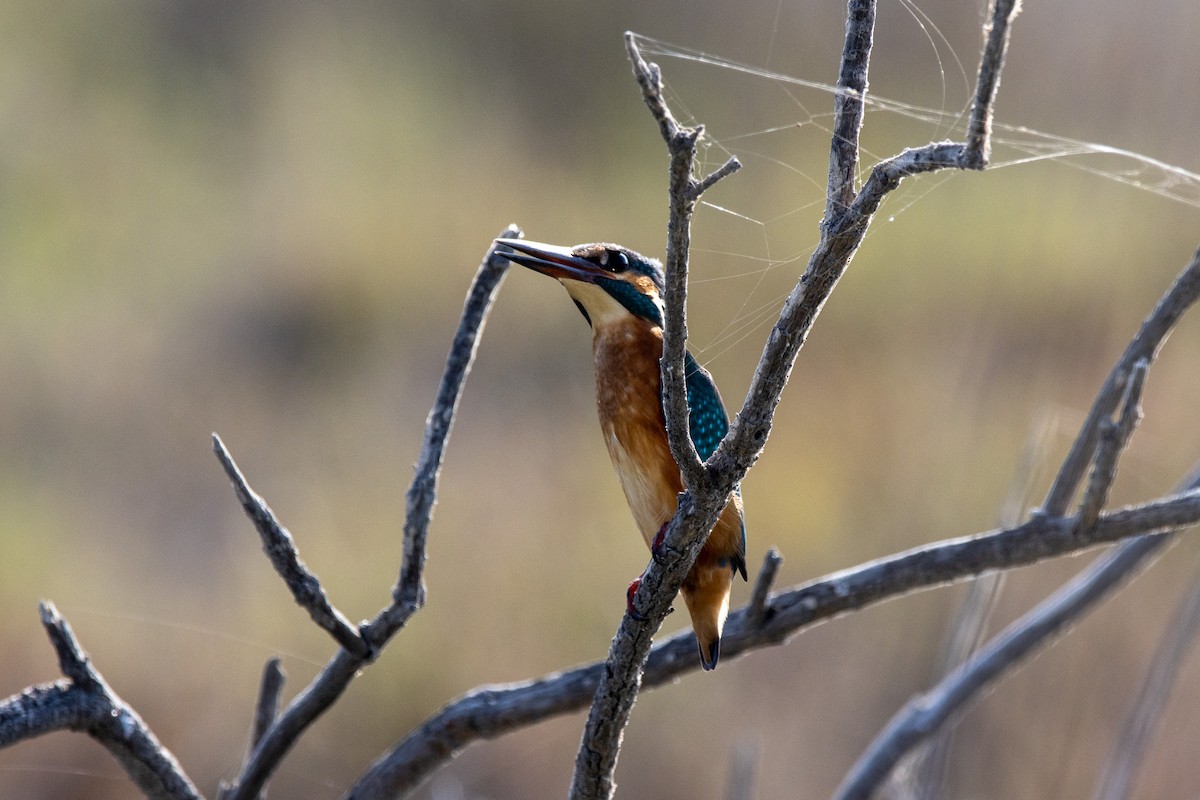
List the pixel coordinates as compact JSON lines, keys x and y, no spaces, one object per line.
{"x":280,"y":548}
{"x":724,"y":171}
{"x":265,"y":711}
{"x":614,"y":699}
{"x":681,"y":146}
{"x":489,"y":712}
{"x":649,"y":78}
{"x":848,"y":107}
{"x":1145,"y":345}
{"x":759,"y":607}
{"x":72,"y":660}
{"x":925,"y":714}
{"x":709,"y":486}
{"x":979,"y":130}
{"x":85,"y":702}
{"x":1147,"y":707}
{"x":409,"y":593}
{"x":684,"y":191}
{"x":1114,"y":435}
{"x":267,"y":707}
{"x":925,"y":768}
{"x":1106,"y":439}
{"x":842,"y":231}
{"x":304,"y":709}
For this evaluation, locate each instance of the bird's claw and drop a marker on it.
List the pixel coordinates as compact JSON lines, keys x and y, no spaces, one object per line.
{"x":656,"y":546}
{"x":632,"y":609}
{"x":629,"y":606}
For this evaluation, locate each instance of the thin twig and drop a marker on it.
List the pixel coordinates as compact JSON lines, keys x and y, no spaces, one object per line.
{"x":1147,"y":707}
{"x":265,"y":710}
{"x":979,"y":129}
{"x":724,"y":171}
{"x":758,"y":608}
{"x":280,"y":548}
{"x":492,"y":711}
{"x":848,"y":105}
{"x":72,"y":660}
{"x":409,"y":592}
{"x":1153,"y":332}
{"x":267,"y":707}
{"x":1114,"y":435}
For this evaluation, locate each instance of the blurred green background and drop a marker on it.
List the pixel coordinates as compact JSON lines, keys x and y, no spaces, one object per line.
{"x":260,"y":219}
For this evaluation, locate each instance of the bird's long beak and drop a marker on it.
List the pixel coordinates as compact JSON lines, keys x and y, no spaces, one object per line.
{"x":548,"y":259}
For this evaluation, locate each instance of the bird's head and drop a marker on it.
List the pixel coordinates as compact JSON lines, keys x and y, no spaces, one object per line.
{"x":608,"y":283}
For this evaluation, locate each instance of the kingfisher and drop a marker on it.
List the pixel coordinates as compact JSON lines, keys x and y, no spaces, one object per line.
{"x":620,"y":295}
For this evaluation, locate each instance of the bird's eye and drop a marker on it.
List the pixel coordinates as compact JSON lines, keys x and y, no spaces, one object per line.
{"x":613,"y":261}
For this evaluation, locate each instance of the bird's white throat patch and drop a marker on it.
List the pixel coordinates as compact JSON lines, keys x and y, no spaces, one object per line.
{"x":601,"y":307}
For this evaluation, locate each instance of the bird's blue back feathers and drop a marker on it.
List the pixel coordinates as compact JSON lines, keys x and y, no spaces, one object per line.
{"x":707,"y":424}
{"x":708,"y":421}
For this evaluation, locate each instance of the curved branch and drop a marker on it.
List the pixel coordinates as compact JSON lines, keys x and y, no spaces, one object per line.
{"x":409,"y":593}
{"x":492,"y":711}
{"x":924,"y":715}
{"x":1153,"y":332}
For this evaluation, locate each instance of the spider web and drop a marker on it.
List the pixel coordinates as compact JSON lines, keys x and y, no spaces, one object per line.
{"x":780,"y":125}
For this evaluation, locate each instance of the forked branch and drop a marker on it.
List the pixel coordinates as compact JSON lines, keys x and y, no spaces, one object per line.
{"x":842,"y":230}
{"x":409,"y":593}
{"x":924,"y":715}
{"x":491,"y":711}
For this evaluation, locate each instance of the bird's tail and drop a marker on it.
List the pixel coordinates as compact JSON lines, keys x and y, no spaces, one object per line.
{"x":708,"y":605}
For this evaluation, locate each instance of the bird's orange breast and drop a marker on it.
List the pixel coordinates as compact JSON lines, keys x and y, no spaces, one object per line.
{"x":631,"y":417}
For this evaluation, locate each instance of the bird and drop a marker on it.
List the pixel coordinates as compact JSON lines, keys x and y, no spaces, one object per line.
{"x":620,"y":294}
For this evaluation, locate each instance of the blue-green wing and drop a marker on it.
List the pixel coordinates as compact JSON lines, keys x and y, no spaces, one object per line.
{"x":708,"y":423}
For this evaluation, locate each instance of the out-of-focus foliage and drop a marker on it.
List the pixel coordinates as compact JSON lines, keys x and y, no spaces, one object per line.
{"x":260,"y":219}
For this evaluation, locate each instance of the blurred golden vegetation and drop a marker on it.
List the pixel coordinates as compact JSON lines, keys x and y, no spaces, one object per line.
{"x":260,"y":219}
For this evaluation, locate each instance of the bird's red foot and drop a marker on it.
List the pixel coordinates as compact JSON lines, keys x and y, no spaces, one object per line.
{"x":629,"y":606}
{"x":657,"y":543}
